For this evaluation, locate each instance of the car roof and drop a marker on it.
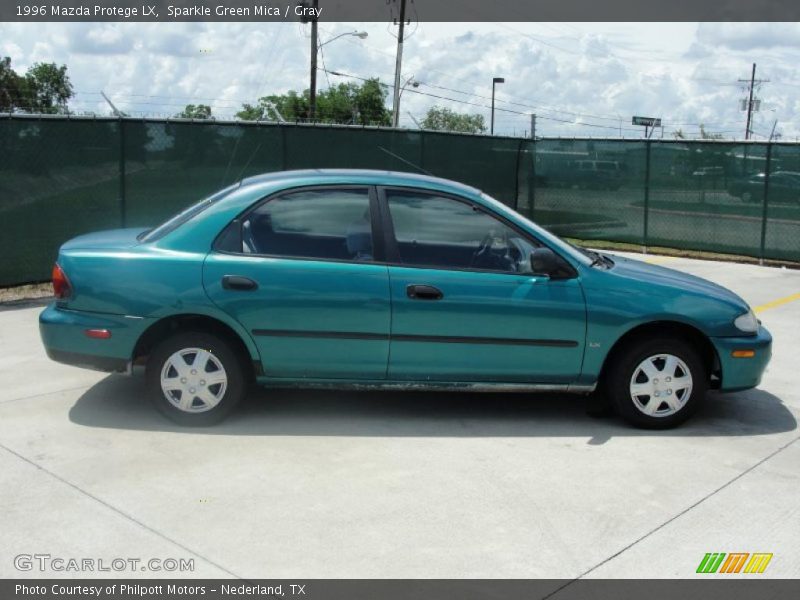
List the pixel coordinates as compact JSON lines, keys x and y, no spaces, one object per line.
{"x":366,"y":176}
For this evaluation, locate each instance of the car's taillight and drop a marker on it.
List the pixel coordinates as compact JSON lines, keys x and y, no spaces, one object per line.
{"x":61,"y":286}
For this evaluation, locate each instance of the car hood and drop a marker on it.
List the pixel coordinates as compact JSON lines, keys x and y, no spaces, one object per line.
{"x":111,"y":239}
{"x":664,"y":277}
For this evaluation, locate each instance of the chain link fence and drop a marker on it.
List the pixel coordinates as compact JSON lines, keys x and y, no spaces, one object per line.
{"x":61,"y":177}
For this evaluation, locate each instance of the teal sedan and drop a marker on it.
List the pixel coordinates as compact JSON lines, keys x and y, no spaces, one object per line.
{"x":350,"y":278}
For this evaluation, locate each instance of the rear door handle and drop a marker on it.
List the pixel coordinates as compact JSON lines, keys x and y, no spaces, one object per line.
{"x":238,"y":282}
{"x":424,"y":292}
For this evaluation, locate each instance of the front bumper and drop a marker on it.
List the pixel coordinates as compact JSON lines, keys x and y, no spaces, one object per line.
{"x":743,"y":373}
{"x":63,"y":333}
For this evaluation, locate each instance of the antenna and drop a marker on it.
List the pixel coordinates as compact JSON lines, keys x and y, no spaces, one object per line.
{"x":408,"y":162}
{"x":111,"y":104}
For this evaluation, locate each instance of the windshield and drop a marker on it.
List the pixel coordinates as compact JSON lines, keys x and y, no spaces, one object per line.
{"x":541,"y":233}
{"x":176,"y":221}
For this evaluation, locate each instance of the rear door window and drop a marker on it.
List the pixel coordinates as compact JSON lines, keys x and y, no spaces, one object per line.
{"x":324,"y":224}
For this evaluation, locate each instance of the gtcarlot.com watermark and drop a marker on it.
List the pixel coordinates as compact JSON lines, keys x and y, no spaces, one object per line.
{"x":70,"y":564}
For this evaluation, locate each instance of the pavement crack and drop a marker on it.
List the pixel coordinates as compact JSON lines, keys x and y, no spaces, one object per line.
{"x":119,"y":512}
{"x":73,"y":389}
{"x":675,"y":517}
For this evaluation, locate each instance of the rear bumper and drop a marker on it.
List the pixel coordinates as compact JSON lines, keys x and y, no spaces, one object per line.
{"x":90,"y":361}
{"x":743,"y":373}
{"x":63,"y":334}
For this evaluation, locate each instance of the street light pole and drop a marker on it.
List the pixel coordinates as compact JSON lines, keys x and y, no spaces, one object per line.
{"x":398,"y":65}
{"x":315,"y":46}
{"x":495,"y":81}
{"x":414,"y":84}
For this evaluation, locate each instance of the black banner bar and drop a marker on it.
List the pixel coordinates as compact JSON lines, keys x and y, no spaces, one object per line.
{"x":388,"y":10}
{"x":730,"y":587}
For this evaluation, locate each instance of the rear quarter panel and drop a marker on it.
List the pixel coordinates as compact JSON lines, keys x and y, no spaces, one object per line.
{"x":145,"y":281}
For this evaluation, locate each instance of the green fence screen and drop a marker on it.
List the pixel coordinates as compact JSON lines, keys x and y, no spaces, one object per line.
{"x":60,"y":177}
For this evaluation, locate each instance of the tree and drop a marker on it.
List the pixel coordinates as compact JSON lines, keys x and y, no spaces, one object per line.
{"x":47,"y":88}
{"x":11,"y":86}
{"x":346,"y":103}
{"x":287,"y":107}
{"x":195,"y":111}
{"x":443,"y":119}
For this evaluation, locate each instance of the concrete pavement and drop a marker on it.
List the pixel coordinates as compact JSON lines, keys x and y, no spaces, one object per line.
{"x":303,"y":484}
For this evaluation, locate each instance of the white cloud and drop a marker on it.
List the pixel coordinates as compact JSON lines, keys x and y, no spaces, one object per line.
{"x":750,"y":36}
{"x":597,"y":74}
{"x":100,"y":38}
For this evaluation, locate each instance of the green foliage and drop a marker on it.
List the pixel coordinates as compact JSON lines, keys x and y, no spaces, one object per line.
{"x":443,"y":119}
{"x":345,"y":103}
{"x":10,"y":86}
{"x":195,"y":111}
{"x":48,"y":88}
{"x":45,"y":88}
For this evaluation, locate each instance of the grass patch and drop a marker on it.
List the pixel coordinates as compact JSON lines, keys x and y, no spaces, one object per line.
{"x":755,"y":211}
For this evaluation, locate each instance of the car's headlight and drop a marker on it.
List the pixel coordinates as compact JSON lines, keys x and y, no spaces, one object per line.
{"x":747,"y":322}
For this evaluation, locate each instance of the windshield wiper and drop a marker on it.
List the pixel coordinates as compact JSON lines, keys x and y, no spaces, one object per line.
{"x":598,"y":259}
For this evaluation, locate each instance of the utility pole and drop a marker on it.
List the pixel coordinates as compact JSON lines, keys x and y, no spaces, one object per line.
{"x":312,"y":92}
{"x":398,"y":65}
{"x":772,"y":133}
{"x":750,"y":105}
{"x":533,"y":126}
{"x":495,"y":81}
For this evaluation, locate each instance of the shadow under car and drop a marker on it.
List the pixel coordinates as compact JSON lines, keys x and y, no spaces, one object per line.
{"x":120,"y":402}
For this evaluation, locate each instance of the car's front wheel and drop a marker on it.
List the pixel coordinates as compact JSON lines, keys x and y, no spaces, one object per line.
{"x":195,"y":378}
{"x":657,"y":384}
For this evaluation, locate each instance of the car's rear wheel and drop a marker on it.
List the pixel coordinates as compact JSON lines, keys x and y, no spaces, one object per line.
{"x":195,"y":378}
{"x":657,"y":384}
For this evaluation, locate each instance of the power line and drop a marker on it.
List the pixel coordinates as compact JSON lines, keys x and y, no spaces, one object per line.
{"x":500,"y":109}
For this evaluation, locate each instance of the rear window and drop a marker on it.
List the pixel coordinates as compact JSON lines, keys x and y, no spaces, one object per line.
{"x":182,"y":217}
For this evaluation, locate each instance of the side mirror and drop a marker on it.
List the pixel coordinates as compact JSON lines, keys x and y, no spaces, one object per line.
{"x":544,"y":261}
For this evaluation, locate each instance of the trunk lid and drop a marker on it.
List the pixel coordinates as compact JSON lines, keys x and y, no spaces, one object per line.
{"x":112,"y":239}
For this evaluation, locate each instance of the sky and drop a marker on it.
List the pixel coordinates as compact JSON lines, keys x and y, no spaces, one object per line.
{"x":581,"y":79}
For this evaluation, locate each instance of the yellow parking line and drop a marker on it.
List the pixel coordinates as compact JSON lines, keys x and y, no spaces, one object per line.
{"x":776,"y":303}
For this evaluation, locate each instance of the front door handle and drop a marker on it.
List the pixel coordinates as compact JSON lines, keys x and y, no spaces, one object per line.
{"x":238,"y":282}
{"x":424,"y":292}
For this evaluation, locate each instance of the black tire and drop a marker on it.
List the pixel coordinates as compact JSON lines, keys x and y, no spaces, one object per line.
{"x":227,"y":397}
{"x":626,"y":364}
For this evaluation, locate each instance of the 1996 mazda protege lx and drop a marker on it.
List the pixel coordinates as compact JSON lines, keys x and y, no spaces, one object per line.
{"x":367,"y":278}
